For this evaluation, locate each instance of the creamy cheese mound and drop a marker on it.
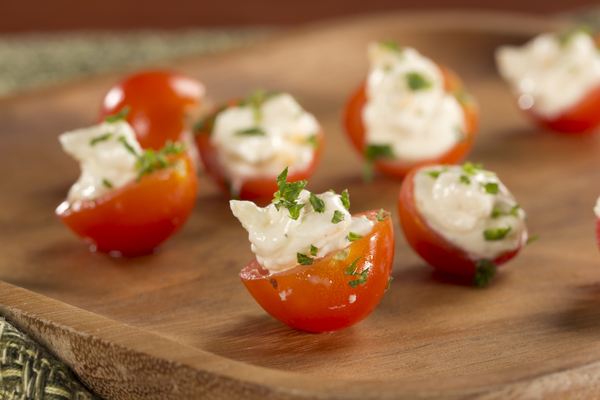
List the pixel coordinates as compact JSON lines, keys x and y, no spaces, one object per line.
{"x":456,"y":205}
{"x":597,"y":208}
{"x":105,"y":162}
{"x":419,"y":123}
{"x":551,"y":73}
{"x":285,"y":140}
{"x":277,"y":238}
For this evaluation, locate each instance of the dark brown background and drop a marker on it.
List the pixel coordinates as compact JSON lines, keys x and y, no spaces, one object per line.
{"x":43,"y":15}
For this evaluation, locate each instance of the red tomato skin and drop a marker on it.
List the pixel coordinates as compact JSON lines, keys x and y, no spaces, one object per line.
{"x":583,"y":118}
{"x":315,"y":298}
{"x":355,"y":129}
{"x":430,"y":245}
{"x":158,"y":102}
{"x":598,"y":231}
{"x":138,"y":217}
{"x":259,"y":189}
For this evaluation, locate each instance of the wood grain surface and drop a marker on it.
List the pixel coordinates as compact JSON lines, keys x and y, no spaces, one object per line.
{"x":181,"y":325}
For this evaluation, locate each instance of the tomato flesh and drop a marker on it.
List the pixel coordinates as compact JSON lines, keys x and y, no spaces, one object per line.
{"x":318,"y":297}
{"x":134,"y":219}
{"x":430,"y":245}
{"x":260,"y":188}
{"x":355,"y":129}
{"x":158,"y":103}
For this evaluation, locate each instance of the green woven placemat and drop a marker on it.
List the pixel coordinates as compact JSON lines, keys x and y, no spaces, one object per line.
{"x":28,"y":372}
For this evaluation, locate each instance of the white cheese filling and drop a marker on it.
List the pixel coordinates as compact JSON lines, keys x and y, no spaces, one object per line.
{"x":421,"y":122}
{"x":597,"y":208}
{"x":283,"y":136}
{"x":550,"y":74}
{"x":461,"y":210}
{"x":277,"y":239}
{"x":105,"y":162}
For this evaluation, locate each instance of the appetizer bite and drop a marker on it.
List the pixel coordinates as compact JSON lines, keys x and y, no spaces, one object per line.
{"x":245,"y":144}
{"x":317,"y":267}
{"x":409,"y":112}
{"x":127,"y":201}
{"x":159,"y":106}
{"x":556,"y":79}
{"x":461,"y":219}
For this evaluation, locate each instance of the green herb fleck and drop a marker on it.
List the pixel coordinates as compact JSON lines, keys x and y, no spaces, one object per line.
{"x":288,"y":193}
{"x":342,"y":255}
{"x":434,"y":174}
{"x":565,"y":37}
{"x":416,"y":81}
{"x":389,"y":282}
{"x":127,"y":146}
{"x":122,"y":114}
{"x":354,"y":237}
{"x":313,"y":250}
{"x":317,"y":204}
{"x":491,"y":188}
{"x":374,"y":152}
{"x":472,"y":169}
{"x":304,"y":259}
{"x":346,"y":199}
{"x":151,"y":160}
{"x":484,"y":272}
{"x":496,"y":212}
{"x":380,"y":217}
{"x":351,"y":271}
{"x":338,"y":217}
{"x":99,"y":139}
{"x":465,"y":179}
{"x":391,"y":45}
{"x":496,"y":233}
{"x":532,"y":239}
{"x":107,"y":183}
{"x":255,"y":131}
{"x":514,"y":211}
{"x":312,"y":140}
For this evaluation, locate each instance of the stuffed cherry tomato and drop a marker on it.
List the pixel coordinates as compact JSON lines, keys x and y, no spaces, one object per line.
{"x":409,"y":112}
{"x":245,"y":144}
{"x":317,"y":268}
{"x":158,"y":103}
{"x":556,"y":80}
{"x":127,"y":201}
{"x":461,"y":219}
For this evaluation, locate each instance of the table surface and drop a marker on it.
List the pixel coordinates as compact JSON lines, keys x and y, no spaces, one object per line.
{"x":137,"y":328}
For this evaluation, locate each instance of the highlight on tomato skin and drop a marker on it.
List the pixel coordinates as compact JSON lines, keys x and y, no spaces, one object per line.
{"x":135,"y":219}
{"x":321,"y":297}
{"x":397,"y":169}
{"x":258,"y":188}
{"x":438,"y":251}
{"x":159,"y":105}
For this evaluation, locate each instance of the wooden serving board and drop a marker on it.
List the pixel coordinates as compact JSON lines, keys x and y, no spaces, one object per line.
{"x":181,"y":325}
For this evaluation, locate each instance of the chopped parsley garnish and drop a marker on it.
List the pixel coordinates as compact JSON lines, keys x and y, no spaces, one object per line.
{"x":127,"y":146}
{"x":484,"y":272}
{"x":304,"y":259}
{"x":122,"y":114}
{"x":374,"y":152}
{"x":99,"y":139}
{"x":389,"y":282}
{"x":351,"y":271}
{"x":346,"y":199}
{"x":391,"y":45}
{"x":255,"y":100}
{"x":532,"y":239}
{"x":338,"y":217}
{"x":353,"y":237}
{"x":312,"y":140}
{"x":416,"y":81}
{"x":342,"y":255}
{"x":471,"y":168}
{"x":491,"y":188}
{"x":317,"y":204}
{"x":380,"y":217}
{"x":313,"y":250}
{"x":150,"y":160}
{"x":287,"y":195}
{"x":255,"y":131}
{"x":434,"y":174}
{"x":496,"y":233}
{"x":496,"y":212}
{"x":465,"y":179}
{"x":107,"y":183}
{"x":565,"y":37}
{"x":514,"y":211}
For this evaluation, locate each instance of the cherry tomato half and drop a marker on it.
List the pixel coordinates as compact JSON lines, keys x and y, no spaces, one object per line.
{"x":259,"y":188}
{"x":355,"y":129}
{"x":582,"y":118}
{"x":321,"y":297}
{"x":430,"y":245}
{"x":134,"y":219}
{"x":158,"y":103}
